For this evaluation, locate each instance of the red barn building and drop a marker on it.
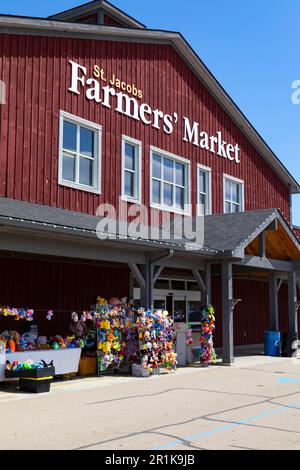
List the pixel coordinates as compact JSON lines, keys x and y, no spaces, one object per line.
{"x":97,"y":110}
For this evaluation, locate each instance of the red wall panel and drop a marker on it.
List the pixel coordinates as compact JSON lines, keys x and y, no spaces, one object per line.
{"x":109,"y":21}
{"x":251,"y":316}
{"x":62,"y":287}
{"x":36,"y":71}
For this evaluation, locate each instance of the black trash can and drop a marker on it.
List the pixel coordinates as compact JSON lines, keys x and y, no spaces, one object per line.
{"x":289,"y":344}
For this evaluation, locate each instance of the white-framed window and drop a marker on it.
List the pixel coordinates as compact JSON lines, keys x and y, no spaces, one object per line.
{"x":169,"y":182}
{"x":204,"y":190}
{"x":233,"y":194}
{"x":79,"y":153}
{"x":131,"y":169}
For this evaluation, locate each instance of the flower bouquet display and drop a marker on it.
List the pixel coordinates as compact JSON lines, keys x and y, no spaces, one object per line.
{"x":207,"y":322}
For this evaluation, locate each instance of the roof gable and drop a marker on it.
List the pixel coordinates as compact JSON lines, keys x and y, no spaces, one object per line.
{"x":100,"y":8}
{"x":238,"y":234}
{"x":50,"y":27}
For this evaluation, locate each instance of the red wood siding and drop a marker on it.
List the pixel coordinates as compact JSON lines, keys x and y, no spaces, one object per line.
{"x":251,"y":316}
{"x":91,"y":19}
{"x":63,"y":287}
{"x":37,"y":75}
{"x":109,"y":21}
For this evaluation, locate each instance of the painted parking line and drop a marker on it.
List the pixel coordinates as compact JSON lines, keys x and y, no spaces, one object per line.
{"x":228,"y":427}
{"x":286,"y":380}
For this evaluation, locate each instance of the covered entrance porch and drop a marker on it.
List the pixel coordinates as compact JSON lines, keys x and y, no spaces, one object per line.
{"x":242,"y":252}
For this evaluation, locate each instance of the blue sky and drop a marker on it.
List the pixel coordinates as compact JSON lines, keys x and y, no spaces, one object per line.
{"x":251,"y":47}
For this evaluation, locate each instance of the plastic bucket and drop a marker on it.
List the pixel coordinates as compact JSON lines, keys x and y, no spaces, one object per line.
{"x":272,"y":343}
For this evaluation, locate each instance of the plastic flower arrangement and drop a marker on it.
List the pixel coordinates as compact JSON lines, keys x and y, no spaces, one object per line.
{"x":207,"y":327}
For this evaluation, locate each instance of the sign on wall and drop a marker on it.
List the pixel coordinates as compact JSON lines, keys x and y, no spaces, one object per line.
{"x":127,"y":99}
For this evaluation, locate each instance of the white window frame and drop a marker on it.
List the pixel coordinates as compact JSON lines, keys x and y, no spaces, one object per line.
{"x":233,"y":179}
{"x":138,"y":172}
{"x":97,"y":129}
{"x":176,"y":158}
{"x":207,"y":170}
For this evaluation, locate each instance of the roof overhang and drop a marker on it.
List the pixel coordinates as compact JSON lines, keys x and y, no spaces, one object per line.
{"x":35,"y":26}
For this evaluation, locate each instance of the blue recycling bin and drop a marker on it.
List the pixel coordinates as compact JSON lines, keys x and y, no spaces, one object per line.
{"x":272,"y":341}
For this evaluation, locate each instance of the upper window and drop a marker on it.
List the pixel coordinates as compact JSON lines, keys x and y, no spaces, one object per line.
{"x":131,"y":169}
{"x":233,"y":195}
{"x":169,"y":182}
{"x":204,"y":190}
{"x":79,"y":153}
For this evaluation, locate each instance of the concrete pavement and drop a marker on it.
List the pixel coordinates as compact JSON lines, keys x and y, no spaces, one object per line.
{"x":255,"y":405}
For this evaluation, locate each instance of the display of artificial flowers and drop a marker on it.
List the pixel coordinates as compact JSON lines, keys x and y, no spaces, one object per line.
{"x":207,"y":326}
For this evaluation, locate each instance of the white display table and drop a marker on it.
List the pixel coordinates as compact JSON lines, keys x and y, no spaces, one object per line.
{"x":65,"y":361}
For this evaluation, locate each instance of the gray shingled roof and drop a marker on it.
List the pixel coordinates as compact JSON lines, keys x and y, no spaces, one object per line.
{"x":223,"y":233}
{"x":229,"y":232}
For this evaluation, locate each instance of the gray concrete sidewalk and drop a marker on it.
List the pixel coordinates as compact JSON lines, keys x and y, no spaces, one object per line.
{"x":255,"y":405}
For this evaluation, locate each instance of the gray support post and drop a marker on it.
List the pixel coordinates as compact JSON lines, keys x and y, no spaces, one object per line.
{"x":273,"y":302}
{"x":227,"y":311}
{"x":208,"y":284}
{"x":293,"y":303}
{"x":262,"y":245}
{"x":145,"y":290}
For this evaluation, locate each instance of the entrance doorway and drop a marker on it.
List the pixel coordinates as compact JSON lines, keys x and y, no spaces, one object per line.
{"x":181,"y":298}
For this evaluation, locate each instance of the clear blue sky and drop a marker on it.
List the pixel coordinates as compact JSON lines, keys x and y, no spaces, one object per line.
{"x":252,"y":47}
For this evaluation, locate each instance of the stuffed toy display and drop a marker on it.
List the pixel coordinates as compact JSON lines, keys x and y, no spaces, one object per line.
{"x":17,"y":313}
{"x":156,"y":340}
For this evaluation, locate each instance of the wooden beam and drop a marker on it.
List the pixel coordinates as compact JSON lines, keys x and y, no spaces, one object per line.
{"x":267,"y":264}
{"x":208,"y":284}
{"x":198,"y":277}
{"x":137,"y":274}
{"x":262,"y":245}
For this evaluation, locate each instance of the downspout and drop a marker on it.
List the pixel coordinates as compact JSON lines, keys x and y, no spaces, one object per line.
{"x":162,"y":258}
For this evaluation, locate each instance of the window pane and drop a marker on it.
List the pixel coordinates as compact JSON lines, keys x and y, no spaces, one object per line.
{"x":177,"y":285}
{"x":179,"y":311}
{"x":162,"y":284}
{"x":129,"y":184}
{"x":235,"y":208}
{"x":180,"y":198}
{"x":228,"y":191}
{"x":235,"y":192}
{"x":87,"y":142}
{"x":180,"y":174}
{"x":69,"y":137}
{"x":227,"y":208}
{"x":129,"y":157}
{"x":156,"y":166}
{"x":168,"y":194}
{"x":194,"y":312}
{"x":86,"y":172}
{"x":156,"y":188}
{"x":159,"y":305}
{"x":193,"y":286}
{"x":202,"y":181}
{"x":202,"y":204}
{"x":68,"y":168}
{"x":168,"y":170}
